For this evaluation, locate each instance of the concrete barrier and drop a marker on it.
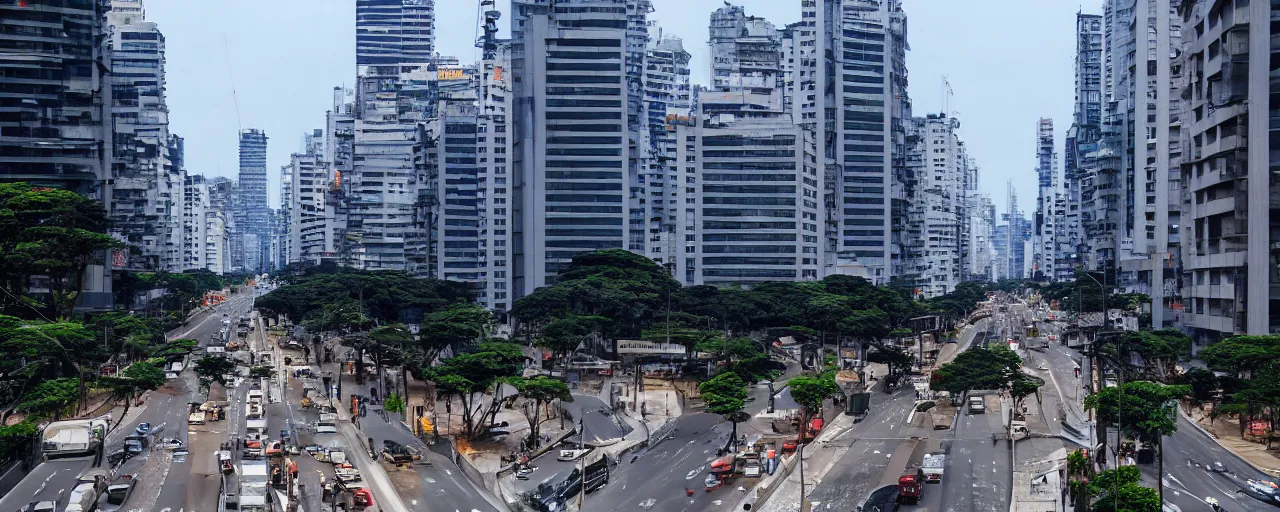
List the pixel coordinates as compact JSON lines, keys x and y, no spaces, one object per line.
{"x":765,"y":489}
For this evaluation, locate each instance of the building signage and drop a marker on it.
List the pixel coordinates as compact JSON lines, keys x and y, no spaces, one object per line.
{"x":649,"y":347}
{"x":451,"y":74}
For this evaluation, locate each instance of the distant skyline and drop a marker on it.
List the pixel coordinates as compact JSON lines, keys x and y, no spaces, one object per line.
{"x":1009,"y":63}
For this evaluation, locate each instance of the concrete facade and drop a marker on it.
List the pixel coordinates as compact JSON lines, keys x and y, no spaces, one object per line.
{"x":1231,"y":284}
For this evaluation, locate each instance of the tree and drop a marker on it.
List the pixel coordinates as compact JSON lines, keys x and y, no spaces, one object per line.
{"x":979,"y":368}
{"x":473,"y":373}
{"x":393,"y":403}
{"x":50,"y":232}
{"x":51,"y":398}
{"x":726,"y":394}
{"x":261,"y":372}
{"x":395,"y":344}
{"x":1143,"y":410}
{"x":541,"y":390}
{"x":1021,"y":389}
{"x":135,"y":380}
{"x":1117,"y":490}
{"x":212,"y":369}
{"x":563,"y":335}
{"x":1203,"y":384}
{"x":810,"y":392}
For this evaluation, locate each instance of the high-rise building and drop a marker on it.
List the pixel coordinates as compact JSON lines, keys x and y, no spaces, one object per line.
{"x":218,"y":228}
{"x":1147,"y":34}
{"x":982,"y":242}
{"x":1230,"y":254}
{"x":573,"y":158}
{"x":393,"y":32}
{"x":145,"y":188}
{"x":195,"y":214}
{"x":851,"y":96}
{"x":1080,"y":152}
{"x":52,"y":130}
{"x":252,"y":194}
{"x":304,"y":202}
{"x":938,"y":204}
{"x":668,"y":102}
{"x":1049,"y":239}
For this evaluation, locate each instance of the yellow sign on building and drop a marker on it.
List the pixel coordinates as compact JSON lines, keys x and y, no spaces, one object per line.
{"x":451,"y":74}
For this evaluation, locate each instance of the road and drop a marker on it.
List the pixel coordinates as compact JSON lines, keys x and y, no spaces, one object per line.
{"x":657,"y":479}
{"x":165,"y":406}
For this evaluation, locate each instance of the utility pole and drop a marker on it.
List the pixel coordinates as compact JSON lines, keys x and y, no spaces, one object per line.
{"x":582,"y":466}
{"x":800,"y":453}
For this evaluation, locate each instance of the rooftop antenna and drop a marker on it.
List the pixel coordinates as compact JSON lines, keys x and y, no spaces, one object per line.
{"x":947,"y":93}
{"x":235,"y":101}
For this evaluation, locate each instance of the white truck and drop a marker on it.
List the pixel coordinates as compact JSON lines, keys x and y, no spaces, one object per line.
{"x":253,"y":486}
{"x":977,"y":405}
{"x":933,"y":465}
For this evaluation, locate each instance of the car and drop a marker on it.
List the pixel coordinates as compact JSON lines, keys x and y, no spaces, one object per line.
{"x":118,"y":456}
{"x":711,"y":483}
{"x":142,"y":429}
{"x":1217,"y":467}
{"x":41,"y":506}
{"x":170,"y":444}
{"x":118,"y":493}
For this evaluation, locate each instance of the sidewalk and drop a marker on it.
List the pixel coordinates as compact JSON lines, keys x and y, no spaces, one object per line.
{"x":819,"y":457}
{"x":1226,"y":433}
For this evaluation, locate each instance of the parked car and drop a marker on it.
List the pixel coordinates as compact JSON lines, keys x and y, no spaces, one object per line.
{"x":142,"y":429}
{"x":41,"y":506}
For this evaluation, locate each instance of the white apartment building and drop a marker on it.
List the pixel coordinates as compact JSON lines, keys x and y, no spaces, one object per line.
{"x":1146,"y":98}
{"x":195,"y":212}
{"x":667,"y":103}
{"x":1230,"y":219}
{"x":306,"y":192}
{"x":572,"y":154}
{"x":146,"y":180}
{"x":939,"y":203}
{"x":982,"y":243}
{"x":751,"y":194}
{"x":851,"y":71}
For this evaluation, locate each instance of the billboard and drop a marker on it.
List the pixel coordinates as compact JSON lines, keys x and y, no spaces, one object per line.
{"x":649,"y":347}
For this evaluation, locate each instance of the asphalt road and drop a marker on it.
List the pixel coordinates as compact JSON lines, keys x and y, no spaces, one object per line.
{"x":601,"y":424}
{"x":47,"y":479}
{"x":442,"y":484}
{"x":656,"y":480}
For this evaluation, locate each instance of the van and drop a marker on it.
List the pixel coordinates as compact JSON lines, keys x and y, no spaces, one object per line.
{"x":977,"y":405}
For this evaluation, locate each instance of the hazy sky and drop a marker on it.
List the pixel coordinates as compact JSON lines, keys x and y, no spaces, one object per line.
{"x":1009,"y":63}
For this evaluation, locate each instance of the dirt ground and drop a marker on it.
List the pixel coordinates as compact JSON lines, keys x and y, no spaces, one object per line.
{"x":1227,"y":432}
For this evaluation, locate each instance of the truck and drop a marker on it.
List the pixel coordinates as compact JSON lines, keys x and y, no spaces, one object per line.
{"x":253,"y":486}
{"x":977,"y":405}
{"x":911,"y":486}
{"x":933,"y":465}
{"x":73,"y":438}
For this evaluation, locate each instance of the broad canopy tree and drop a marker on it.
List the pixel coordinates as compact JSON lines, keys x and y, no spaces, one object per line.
{"x":540,"y":391}
{"x":467,"y":376}
{"x":726,"y":394}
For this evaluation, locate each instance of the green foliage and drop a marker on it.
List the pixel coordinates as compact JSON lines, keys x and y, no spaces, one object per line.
{"x":1117,"y":490}
{"x":563,"y":335}
{"x":14,"y":439}
{"x":469,"y":373}
{"x":541,"y":390}
{"x":625,"y":287}
{"x":724,"y":394}
{"x":262,"y":372}
{"x":213,"y":369}
{"x":457,"y":326}
{"x":978,"y":368}
{"x":393,"y":403}
{"x":47,"y":232}
{"x":1146,"y":410}
{"x":1243,"y":355}
{"x":385,"y":296}
{"x":51,"y":398}
{"x":1203,"y":383}
{"x":811,"y":391}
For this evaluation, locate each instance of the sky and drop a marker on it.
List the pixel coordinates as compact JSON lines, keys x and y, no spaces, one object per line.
{"x":1008,"y":63}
